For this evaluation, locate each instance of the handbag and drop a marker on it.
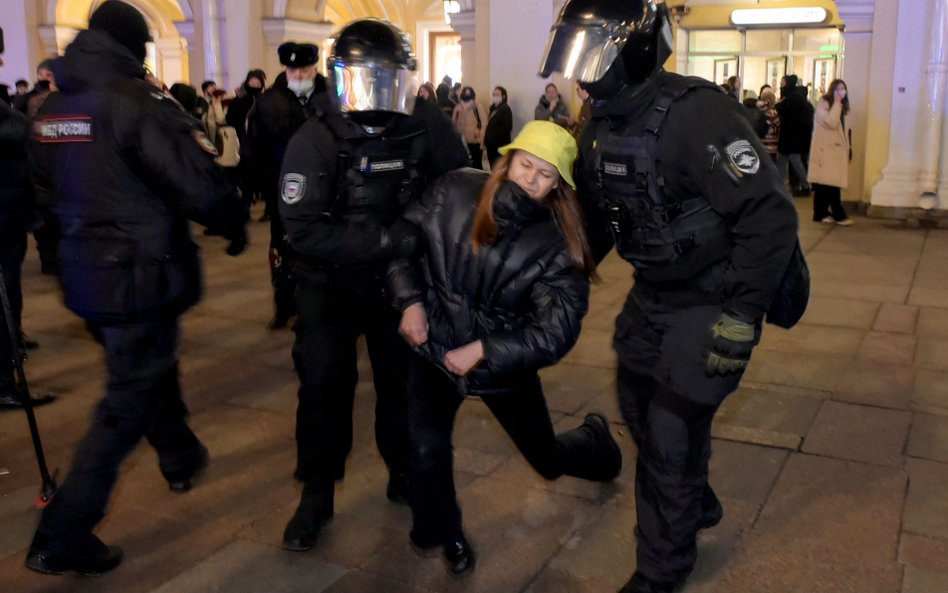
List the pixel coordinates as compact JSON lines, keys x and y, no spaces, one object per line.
{"x":792,"y":296}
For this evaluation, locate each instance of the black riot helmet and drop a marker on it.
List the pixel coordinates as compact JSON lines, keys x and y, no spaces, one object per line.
{"x":611,"y":42}
{"x":372,"y":71}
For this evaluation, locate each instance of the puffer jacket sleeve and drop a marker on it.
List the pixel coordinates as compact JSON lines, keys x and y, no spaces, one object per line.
{"x":560,"y":300}
{"x":404,"y":280}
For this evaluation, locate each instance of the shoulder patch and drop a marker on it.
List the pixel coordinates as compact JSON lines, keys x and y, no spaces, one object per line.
{"x":204,"y":142}
{"x":743,"y":156}
{"x":63,"y":128}
{"x":293,"y":188}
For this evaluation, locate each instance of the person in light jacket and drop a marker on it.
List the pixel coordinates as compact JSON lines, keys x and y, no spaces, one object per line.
{"x":470,"y":120}
{"x":830,"y":154}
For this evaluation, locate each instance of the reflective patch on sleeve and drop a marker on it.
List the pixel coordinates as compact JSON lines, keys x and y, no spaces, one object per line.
{"x":293,"y":188}
{"x":204,"y":142}
{"x":63,"y":128}
{"x":743,"y":156}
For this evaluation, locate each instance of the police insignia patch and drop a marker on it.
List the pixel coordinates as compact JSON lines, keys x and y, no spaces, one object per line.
{"x":743,"y":156}
{"x":204,"y":142}
{"x":293,"y":188}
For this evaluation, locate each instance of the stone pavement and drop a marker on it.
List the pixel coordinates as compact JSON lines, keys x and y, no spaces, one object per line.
{"x":831,"y":460}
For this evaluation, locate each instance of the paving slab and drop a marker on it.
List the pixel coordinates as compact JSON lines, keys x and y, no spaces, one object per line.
{"x":593,"y":349}
{"x":839,"y":312}
{"x":796,"y":369}
{"x":928,"y":297}
{"x":928,"y":438}
{"x":926,"y":506}
{"x":859,"y":433}
{"x":813,"y":339}
{"x":827,"y":286}
{"x":874,"y":384}
{"x":887,"y":348}
{"x":744,"y":472}
{"x":919,"y":580}
{"x":875,"y":241}
{"x":932,"y":353}
{"x":766,"y":417}
{"x":896,"y":318}
{"x":568,"y":387}
{"x":932,"y":321}
{"x":357,"y":581}
{"x":18,"y":517}
{"x":888,"y":270}
{"x":931,"y":388}
{"x":248,"y":567}
{"x":829,"y":525}
{"x":929,"y":553}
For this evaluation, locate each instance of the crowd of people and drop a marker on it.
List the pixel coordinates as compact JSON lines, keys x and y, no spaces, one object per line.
{"x":463,"y":282}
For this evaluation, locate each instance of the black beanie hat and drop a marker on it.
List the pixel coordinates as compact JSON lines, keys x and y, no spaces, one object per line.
{"x":123,"y":23}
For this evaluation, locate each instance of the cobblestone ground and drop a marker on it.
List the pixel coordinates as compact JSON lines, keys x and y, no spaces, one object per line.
{"x":831,"y":460}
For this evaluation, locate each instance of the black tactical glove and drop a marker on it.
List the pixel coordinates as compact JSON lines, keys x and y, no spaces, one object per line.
{"x":238,"y":242}
{"x":731,"y":346}
{"x":402,"y":236}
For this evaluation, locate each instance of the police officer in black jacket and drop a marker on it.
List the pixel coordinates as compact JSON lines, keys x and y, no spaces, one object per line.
{"x":347,"y":176}
{"x":276,"y":115}
{"x":670,"y":166}
{"x":124,"y":169}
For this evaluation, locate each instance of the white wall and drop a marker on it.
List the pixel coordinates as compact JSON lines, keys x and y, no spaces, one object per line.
{"x":16,"y":58}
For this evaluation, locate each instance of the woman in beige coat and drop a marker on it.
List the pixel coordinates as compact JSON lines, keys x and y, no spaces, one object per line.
{"x":470,"y":120}
{"x":830,"y":155}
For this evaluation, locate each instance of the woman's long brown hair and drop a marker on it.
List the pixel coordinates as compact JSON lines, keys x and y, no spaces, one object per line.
{"x":830,"y":96}
{"x":561,"y":200}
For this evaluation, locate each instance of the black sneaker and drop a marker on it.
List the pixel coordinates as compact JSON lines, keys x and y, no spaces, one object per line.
{"x":640,"y":584}
{"x":609,"y":462}
{"x":711,"y":509}
{"x":92,"y":558}
{"x":312,"y":515}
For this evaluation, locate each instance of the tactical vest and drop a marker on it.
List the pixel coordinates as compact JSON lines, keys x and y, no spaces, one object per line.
{"x":652,"y":229}
{"x":377,"y":176}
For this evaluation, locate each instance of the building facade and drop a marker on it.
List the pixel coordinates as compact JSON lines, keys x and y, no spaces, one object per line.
{"x":891,"y":53}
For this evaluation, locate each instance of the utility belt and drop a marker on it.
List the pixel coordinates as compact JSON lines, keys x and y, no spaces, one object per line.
{"x":319,"y":266}
{"x":706,"y":288}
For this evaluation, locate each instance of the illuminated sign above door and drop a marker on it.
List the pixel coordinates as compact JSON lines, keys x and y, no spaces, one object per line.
{"x":779,"y":16}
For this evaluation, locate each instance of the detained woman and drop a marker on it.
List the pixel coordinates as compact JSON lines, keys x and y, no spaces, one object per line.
{"x":497,"y":292}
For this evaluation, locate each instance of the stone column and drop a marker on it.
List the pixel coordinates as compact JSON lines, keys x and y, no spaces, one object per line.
{"x":55,"y":38}
{"x":465,"y":24}
{"x":931,"y":139}
{"x":210,"y":28}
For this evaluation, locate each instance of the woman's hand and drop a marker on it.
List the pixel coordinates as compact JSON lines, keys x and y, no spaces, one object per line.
{"x":414,"y":325}
{"x":461,"y":360}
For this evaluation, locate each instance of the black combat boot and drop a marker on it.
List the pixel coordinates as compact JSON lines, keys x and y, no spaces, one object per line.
{"x":90,"y":557}
{"x":589,"y":450}
{"x":640,"y":584}
{"x":711,"y":510}
{"x":183,"y":481}
{"x":313,"y":513}
{"x":459,"y":556}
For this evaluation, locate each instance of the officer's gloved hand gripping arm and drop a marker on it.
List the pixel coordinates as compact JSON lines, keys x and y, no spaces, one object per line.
{"x":180,"y":158}
{"x":762,"y":223}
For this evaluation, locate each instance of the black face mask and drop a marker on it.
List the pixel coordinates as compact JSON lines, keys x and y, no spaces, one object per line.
{"x":466,"y":96}
{"x":253,"y":91}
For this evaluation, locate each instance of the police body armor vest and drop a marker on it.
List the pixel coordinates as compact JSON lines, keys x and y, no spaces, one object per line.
{"x":377,"y":176}
{"x":652,"y":229}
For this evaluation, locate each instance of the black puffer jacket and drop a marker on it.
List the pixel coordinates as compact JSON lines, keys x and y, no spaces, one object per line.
{"x":14,"y":203}
{"x":124,"y":168}
{"x":521,"y":296}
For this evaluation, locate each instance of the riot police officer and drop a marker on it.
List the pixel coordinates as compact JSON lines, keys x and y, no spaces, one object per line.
{"x":347,"y":176}
{"x":670,"y":166}
{"x":273,"y":119}
{"x":125,"y":169}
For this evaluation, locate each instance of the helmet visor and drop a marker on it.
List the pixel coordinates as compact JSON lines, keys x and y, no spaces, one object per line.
{"x":358,"y":88}
{"x":582,"y":53}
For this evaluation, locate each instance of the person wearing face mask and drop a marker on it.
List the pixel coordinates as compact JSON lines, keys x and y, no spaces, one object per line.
{"x":236,"y":117}
{"x":276,"y":115}
{"x":498,"y":292}
{"x":499,"y":125}
{"x":469,"y":118}
{"x":671,"y":174}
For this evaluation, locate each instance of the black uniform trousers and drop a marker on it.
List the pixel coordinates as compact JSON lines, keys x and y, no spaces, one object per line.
{"x":669,"y":403}
{"x":11,"y":263}
{"x":433,"y":402}
{"x":143,"y":399}
{"x":282,"y":275}
{"x":335,"y":307}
